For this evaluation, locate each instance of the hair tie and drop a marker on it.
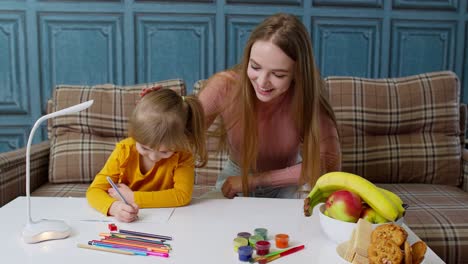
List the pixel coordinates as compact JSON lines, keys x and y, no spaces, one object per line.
{"x":146,"y":91}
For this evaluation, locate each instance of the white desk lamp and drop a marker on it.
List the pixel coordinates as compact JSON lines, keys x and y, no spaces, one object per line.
{"x":45,"y":229}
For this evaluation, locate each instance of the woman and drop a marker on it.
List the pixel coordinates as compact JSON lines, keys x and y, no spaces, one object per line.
{"x":274,"y":112}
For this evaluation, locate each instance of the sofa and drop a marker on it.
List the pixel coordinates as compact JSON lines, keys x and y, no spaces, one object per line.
{"x":404,"y":134}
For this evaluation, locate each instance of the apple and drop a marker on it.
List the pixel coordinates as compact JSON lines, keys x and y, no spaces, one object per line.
{"x":372,"y":216}
{"x":344,"y":205}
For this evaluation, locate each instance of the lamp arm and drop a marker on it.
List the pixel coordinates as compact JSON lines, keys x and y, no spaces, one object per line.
{"x":28,"y":154}
{"x":69,"y":110}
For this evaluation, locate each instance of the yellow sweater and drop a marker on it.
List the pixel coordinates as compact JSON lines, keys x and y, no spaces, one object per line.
{"x":168,"y":184}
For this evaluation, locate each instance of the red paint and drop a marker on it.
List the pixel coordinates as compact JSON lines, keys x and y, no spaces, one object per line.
{"x":263,"y":247}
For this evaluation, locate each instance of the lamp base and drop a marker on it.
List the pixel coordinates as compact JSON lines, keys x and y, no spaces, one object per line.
{"x":43,"y":230}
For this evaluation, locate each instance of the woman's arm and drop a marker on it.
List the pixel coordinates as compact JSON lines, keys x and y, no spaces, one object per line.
{"x":275,"y":178}
{"x":214,"y":94}
{"x":330,"y":160}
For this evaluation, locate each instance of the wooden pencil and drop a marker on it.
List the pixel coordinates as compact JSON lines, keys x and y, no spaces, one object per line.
{"x":106,"y":249}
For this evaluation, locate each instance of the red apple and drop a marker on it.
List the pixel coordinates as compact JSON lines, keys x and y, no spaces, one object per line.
{"x":344,"y":205}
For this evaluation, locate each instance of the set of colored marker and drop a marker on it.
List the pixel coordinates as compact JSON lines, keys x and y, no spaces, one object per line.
{"x":131,"y":243}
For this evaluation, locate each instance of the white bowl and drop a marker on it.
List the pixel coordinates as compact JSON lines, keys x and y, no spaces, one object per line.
{"x":340,"y":231}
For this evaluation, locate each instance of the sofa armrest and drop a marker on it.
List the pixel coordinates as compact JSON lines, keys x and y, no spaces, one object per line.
{"x":13,"y":171}
{"x":465,"y":170}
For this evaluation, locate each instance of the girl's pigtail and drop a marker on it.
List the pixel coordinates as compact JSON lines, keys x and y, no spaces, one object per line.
{"x":196,"y":129}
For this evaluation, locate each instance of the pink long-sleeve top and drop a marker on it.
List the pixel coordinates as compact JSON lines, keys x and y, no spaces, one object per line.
{"x":278,"y":137}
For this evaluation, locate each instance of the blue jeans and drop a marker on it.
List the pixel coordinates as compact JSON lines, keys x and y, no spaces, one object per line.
{"x":232,"y":169}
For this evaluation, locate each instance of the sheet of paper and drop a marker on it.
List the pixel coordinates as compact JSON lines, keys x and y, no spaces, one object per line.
{"x":54,"y":208}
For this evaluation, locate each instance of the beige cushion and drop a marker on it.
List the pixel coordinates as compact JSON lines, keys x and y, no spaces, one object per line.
{"x":402,"y":130}
{"x":80,"y":143}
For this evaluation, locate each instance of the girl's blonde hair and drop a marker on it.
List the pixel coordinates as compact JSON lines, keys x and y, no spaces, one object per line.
{"x":289,"y":34}
{"x":163,"y":117}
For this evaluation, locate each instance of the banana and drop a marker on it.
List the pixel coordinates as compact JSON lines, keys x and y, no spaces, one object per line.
{"x":370,"y":193}
{"x":396,"y":200}
{"x":392,"y":196}
{"x":312,"y":201}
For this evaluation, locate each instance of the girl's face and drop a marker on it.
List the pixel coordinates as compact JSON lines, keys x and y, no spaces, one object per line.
{"x":154,"y":155}
{"x":270,"y":70}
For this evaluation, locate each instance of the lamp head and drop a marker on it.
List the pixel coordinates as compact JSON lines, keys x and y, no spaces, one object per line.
{"x":45,"y":229}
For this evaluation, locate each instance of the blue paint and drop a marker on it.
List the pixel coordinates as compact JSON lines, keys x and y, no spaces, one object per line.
{"x":245,"y":253}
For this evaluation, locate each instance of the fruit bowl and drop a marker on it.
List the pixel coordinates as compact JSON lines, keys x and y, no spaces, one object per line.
{"x":340,"y":231}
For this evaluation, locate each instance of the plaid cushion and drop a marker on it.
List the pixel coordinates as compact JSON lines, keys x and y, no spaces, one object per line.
{"x":403,"y":130}
{"x":205,"y":178}
{"x":13,"y":167}
{"x":79,"y":190}
{"x":438,"y":214}
{"x":81,"y":143}
{"x":465,"y":170}
{"x":62,"y":190}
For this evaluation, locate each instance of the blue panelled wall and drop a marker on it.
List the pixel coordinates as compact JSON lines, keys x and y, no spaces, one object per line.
{"x":49,"y":42}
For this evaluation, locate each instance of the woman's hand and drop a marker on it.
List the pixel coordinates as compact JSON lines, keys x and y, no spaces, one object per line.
{"x":124,"y":212}
{"x":124,"y":190}
{"x":233,"y":185}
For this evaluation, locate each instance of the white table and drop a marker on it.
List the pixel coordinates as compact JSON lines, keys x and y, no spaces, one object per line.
{"x":202,"y":232}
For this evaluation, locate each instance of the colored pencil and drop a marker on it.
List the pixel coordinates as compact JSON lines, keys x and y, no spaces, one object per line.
{"x":162,"y":250}
{"x":142,"y":240}
{"x":131,"y":243}
{"x":135,"y":242}
{"x":137,"y":250}
{"x":109,"y":179}
{"x":106,"y":249}
{"x":136,"y":238}
{"x":144,"y":234}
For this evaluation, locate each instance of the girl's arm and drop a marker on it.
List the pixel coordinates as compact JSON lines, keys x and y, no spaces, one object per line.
{"x":179,"y":195}
{"x":97,"y":195}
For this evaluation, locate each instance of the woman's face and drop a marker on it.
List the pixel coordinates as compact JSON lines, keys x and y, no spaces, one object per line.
{"x":270,"y":70}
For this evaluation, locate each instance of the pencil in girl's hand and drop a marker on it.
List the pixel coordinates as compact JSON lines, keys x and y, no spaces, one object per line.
{"x":111,"y":182}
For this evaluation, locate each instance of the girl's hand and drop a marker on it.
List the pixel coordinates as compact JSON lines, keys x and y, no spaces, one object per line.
{"x":123,"y":212}
{"x":124,"y":190}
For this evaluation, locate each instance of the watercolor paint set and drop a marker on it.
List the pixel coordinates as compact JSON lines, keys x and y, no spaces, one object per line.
{"x":245,"y":244}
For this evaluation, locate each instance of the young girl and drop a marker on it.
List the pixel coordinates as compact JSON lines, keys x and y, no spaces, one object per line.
{"x":154,"y":166}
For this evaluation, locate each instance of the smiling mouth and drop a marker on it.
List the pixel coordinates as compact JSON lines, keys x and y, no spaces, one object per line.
{"x":265,"y":90}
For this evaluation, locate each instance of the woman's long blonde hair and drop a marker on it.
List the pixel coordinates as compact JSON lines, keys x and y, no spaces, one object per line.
{"x":289,"y":34}
{"x":163,"y":117}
